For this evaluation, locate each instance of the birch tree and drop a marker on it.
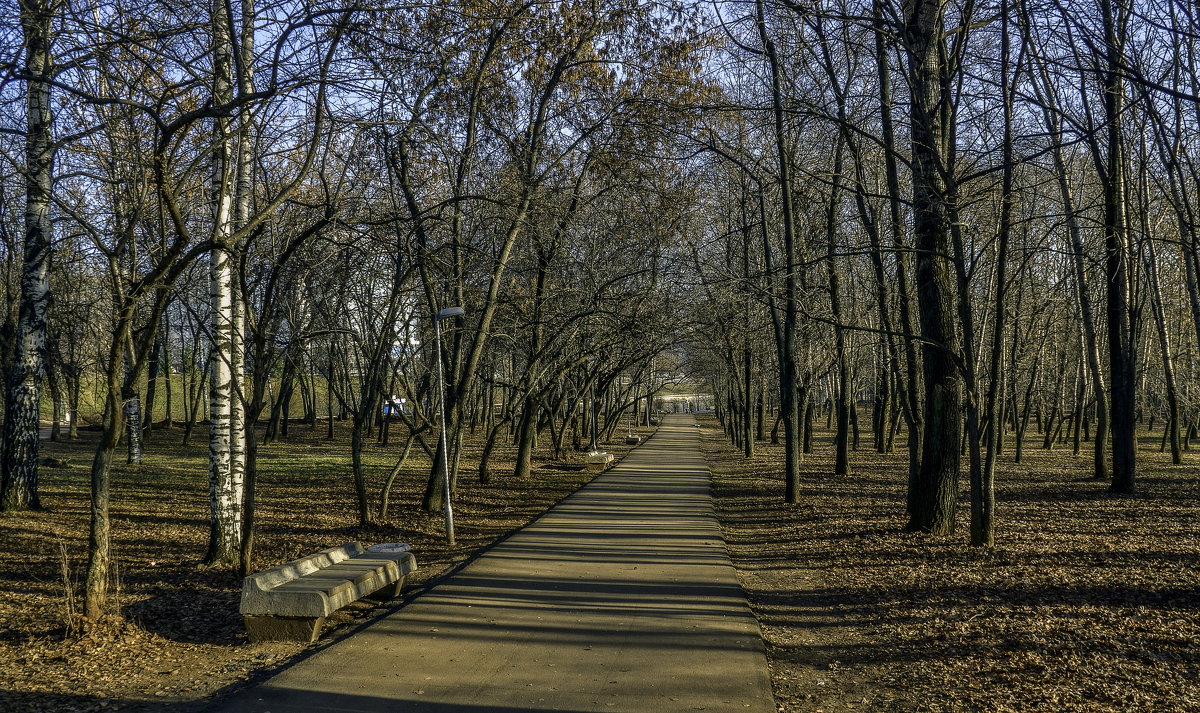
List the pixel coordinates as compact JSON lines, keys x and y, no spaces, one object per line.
{"x":19,"y":466}
{"x":301,"y":88}
{"x":225,"y":435}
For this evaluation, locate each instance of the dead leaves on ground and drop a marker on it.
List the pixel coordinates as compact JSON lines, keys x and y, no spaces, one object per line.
{"x":1088,"y":603}
{"x":174,"y":637}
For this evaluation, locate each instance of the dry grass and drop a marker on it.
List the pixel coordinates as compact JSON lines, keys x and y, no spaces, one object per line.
{"x":1088,"y":602}
{"x":179,"y":640}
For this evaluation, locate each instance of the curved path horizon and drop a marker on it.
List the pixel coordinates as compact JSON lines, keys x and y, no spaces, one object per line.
{"x":621,"y":598}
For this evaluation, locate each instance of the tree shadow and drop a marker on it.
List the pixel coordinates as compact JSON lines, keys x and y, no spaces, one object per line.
{"x":190,"y":615}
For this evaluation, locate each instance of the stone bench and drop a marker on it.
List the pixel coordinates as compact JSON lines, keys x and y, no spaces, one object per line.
{"x":290,"y":602}
{"x":598,"y":460}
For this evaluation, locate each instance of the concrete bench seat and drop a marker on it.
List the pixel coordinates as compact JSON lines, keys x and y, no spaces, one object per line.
{"x":290,"y":602}
{"x":597,"y":461}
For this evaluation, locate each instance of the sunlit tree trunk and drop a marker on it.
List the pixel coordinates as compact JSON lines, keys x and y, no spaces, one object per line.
{"x":133,"y":428}
{"x":225,"y":486}
{"x":247,"y":402}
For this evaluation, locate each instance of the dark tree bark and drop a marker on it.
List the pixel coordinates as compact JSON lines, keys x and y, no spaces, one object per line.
{"x":789,"y":377}
{"x":1117,"y":259}
{"x":935,"y":488}
{"x":152,"y":370}
{"x":909,"y":381}
{"x":983,"y":496}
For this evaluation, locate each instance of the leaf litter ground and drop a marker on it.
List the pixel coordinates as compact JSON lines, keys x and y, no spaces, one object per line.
{"x":178,"y":642}
{"x":1088,"y":602}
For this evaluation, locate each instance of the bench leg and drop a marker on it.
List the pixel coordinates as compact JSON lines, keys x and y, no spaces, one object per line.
{"x":283,"y":628}
{"x":388,"y":592}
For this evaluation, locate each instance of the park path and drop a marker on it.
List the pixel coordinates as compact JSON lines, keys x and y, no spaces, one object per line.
{"x":621,"y":598}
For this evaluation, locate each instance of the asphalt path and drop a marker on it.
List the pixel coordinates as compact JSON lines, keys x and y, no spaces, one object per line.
{"x":620,"y":599}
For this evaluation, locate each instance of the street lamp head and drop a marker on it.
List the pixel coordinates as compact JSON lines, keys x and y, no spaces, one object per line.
{"x":450,"y":312}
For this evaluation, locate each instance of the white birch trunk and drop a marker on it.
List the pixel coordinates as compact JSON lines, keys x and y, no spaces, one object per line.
{"x":224,"y":485}
{"x":19,"y":474}
{"x":237,"y":393}
{"x":225,"y":488}
{"x":241,"y":201}
{"x":133,"y":428}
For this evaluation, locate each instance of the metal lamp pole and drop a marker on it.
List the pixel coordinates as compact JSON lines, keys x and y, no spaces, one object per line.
{"x":441,"y":379}
{"x":595,"y":445}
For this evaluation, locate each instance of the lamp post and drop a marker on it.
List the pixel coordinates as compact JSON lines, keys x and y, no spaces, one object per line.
{"x":595,"y":444}
{"x":441,"y":379}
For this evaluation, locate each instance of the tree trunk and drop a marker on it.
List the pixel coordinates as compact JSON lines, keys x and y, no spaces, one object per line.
{"x":386,"y":492}
{"x":146,"y":415}
{"x":225,"y":492}
{"x":56,"y":391}
{"x":786,"y":331}
{"x":841,"y":458}
{"x":526,"y":430}
{"x":1164,"y":343}
{"x":934,"y":493}
{"x":200,"y":376}
{"x":19,"y":466}
{"x":97,"y":580}
{"x":133,"y":428}
{"x":910,"y":381}
{"x":225,"y":475}
{"x":360,"y":479}
{"x":168,"y":387}
{"x":73,"y":408}
{"x":760,"y":423}
{"x":1117,"y":262}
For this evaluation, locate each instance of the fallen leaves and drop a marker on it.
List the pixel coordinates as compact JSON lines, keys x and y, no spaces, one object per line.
{"x":1088,"y":603}
{"x":175,"y":638}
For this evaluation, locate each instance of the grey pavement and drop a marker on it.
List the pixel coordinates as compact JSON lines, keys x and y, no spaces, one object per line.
{"x":621,"y":598}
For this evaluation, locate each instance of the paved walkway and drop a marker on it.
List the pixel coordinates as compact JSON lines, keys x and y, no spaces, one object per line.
{"x":621,"y":598}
